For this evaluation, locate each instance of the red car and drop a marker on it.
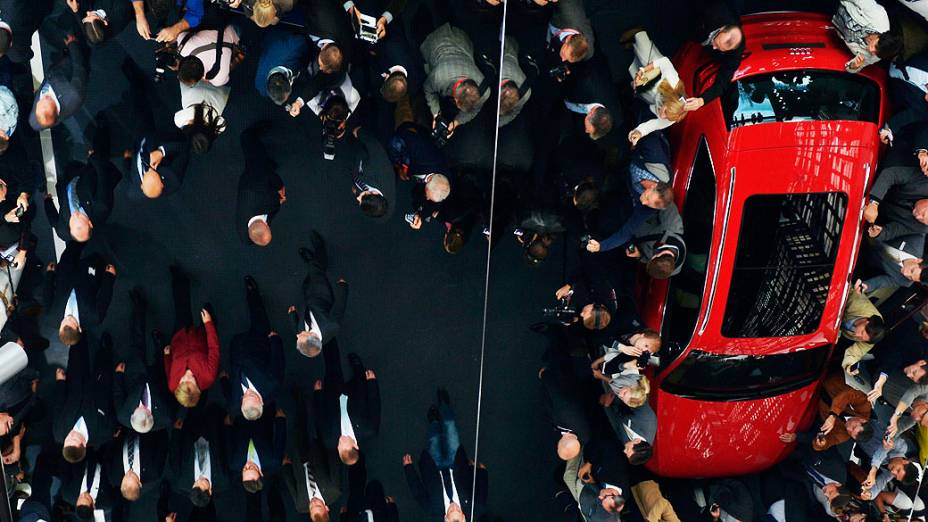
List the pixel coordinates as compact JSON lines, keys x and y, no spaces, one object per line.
{"x":771,"y":181}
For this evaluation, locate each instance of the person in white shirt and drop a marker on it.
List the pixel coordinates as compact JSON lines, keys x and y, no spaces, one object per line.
{"x":206,"y":58}
{"x":656,"y":83}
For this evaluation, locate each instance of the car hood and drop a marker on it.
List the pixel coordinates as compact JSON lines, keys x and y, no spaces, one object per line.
{"x":713,"y":439}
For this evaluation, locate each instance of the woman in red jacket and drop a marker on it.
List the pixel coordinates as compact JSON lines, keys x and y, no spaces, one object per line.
{"x":191,"y":361}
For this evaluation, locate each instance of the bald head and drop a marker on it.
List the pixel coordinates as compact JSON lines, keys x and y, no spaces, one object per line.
{"x":80,"y":227}
{"x":131,"y":486}
{"x":259,"y":232}
{"x":920,"y":211}
{"x":568,"y":447}
{"x":152,"y":186}
{"x":46,"y":112}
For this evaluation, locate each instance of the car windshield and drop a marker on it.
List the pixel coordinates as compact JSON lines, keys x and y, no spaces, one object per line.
{"x":784,"y":264}
{"x":801,"y":95}
{"x":715,"y":377}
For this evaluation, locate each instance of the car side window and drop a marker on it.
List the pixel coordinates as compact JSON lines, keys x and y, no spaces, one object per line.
{"x":685,"y":293}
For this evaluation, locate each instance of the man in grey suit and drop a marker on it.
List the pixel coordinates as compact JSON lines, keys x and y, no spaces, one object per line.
{"x":62,"y":93}
{"x":452,"y":73}
{"x":570,"y":33}
{"x":514,"y":91}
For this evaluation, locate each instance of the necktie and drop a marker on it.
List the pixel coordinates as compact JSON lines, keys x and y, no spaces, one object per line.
{"x":201,"y":457}
{"x":131,"y":443}
{"x":74,"y":202}
{"x":146,"y":397}
{"x":359,"y":183}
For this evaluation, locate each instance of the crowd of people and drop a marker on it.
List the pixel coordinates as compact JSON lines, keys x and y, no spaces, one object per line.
{"x":424,"y":84}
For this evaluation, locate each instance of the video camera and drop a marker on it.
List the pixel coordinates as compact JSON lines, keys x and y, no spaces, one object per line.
{"x":330,"y":131}
{"x":559,"y":72}
{"x":442,"y":132}
{"x":562,"y":312}
{"x":166,"y":57}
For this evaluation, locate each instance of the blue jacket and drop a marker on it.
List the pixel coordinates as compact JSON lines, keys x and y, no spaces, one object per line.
{"x":280,"y":48}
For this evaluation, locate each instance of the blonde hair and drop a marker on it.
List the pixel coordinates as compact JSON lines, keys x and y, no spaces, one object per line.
{"x":187,"y":394}
{"x":264,"y":13}
{"x":638,"y":394}
{"x":672,"y":99}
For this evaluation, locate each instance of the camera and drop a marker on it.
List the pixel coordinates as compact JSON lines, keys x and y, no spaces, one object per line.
{"x":584,"y":241}
{"x":166,"y":57}
{"x":562,"y":312}
{"x":330,"y":130}
{"x":441,"y":133}
{"x":559,"y":72}
{"x":647,"y":359}
{"x":20,"y":210}
{"x":224,"y":4}
{"x":367,"y":28}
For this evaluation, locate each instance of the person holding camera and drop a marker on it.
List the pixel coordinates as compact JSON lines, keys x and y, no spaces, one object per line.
{"x":570,"y":39}
{"x":452,"y":74}
{"x":208,"y":55}
{"x":183,"y":15}
{"x":326,"y":69}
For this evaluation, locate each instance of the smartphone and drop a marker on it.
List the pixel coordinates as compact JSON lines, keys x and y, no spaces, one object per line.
{"x":367,"y":28}
{"x":20,"y":210}
{"x":410,"y":218}
{"x":854,"y":367}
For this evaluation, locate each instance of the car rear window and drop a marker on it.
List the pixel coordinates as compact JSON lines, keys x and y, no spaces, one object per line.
{"x":784,"y":264}
{"x":716,"y":377}
{"x":801,"y":95}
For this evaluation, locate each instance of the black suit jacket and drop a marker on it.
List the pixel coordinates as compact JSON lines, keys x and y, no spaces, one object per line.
{"x":326,"y":469}
{"x":269,"y":434}
{"x":261,"y":360}
{"x":257,"y":193}
{"x":127,"y":392}
{"x":717,"y":14}
{"x":24,"y":18}
{"x":89,"y":279}
{"x":363,"y":403}
{"x":153,"y":452}
{"x":426,"y":488}
{"x":593,"y":87}
{"x":205,"y":421}
{"x":68,"y":78}
{"x":84,"y":393}
{"x":107,"y":498}
{"x":118,"y":14}
{"x":327,"y":312}
{"x":564,"y":400}
{"x":172,"y":169}
{"x":94,"y":188}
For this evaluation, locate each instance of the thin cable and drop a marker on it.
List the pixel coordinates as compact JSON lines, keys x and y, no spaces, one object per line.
{"x":486,"y":281}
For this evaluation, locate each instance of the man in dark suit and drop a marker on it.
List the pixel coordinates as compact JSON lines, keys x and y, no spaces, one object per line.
{"x":85,"y":197}
{"x":62,"y":93}
{"x":22,"y":19}
{"x":79,"y":290}
{"x":257,"y":449}
{"x":197,"y":462}
{"x":564,"y":402}
{"x":87,"y":488}
{"x":373,"y":182}
{"x":367,"y":501}
{"x":443,"y":485}
{"x":909,"y":95}
{"x":281,"y":61}
{"x":84,"y":401}
{"x":324,"y":308}
{"x":158,"y":168}
{"x":257,"y":362}
{"x":101,"y":20}
{"x":719,"y":30}
{"x":591,"y":106}
{"x":413,"y":153}
{"x":346,"y":414}
{"x":454,"y":78}
{"x":143,"y":402}
{"x":136,"y":462}
{"x":261,"y":192}
{"x":312,"y":473}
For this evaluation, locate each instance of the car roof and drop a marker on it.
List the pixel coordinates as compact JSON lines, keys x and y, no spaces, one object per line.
{"x":786,"y":158}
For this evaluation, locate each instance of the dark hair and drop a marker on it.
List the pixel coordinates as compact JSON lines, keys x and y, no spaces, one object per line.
{"x":4,"y":144}
{"x":661,"y":267}
{"x":190,"y":69}
{"x":600,"y":318}
{"x":395,"y":87}
{"x":875,"y":328}
{"x":6,"y":38}
{"x":199,"y":497}
{"x":253,"y":486}
{"x":911,"y":474}
{"x":204,"y":129}
{"x":601,"y":121}
{"x":83,"y":512}
{"x":467,"y":95}
{"x":95,"y":31}
{"x":866,"y":433}
{"x":374,"y":205}
{"x":536,"y":250}
{"x":923,"y":275}
{"x":336,"y":108}
{"x":641,"y":453}
{"x":889,"y":45}
{"x":841,"y":502}
{"x":586,"y":196}
{"x":73,"y":454}
{"x":453,"y":241}
{"x":279,"y":87}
